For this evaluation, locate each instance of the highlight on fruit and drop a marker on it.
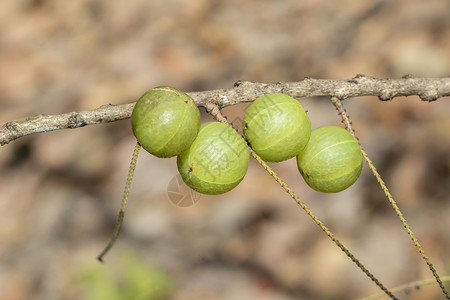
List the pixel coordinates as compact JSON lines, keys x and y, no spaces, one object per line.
{"x":165,"y":121}
{"x":331,"y":161}
{"x":277,"y":127}
{"x":217,"y":160}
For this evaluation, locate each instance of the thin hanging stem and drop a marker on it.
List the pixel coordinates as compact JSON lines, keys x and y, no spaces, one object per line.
{"x":124,"y":203}
{"x":215,"y":112}
{"x":348,"y":125}
{"x":408,"y":287}
{"x":320,"y":224}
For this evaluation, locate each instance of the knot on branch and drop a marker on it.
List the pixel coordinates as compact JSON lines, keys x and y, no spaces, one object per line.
{"x":429,"y":95}
{"x":75,"y":121}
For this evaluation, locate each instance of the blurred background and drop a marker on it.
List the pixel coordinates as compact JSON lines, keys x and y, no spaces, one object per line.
{"x":61,"y":191}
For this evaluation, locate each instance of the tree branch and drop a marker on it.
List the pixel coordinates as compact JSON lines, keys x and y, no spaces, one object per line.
{"x":428,"y":89}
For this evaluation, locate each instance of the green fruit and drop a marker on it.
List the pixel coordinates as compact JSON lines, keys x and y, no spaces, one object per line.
{"x":331,"y":161}
{"x":277,"y":127}
{"x":165,"y":121}
{"x":217,"y":160}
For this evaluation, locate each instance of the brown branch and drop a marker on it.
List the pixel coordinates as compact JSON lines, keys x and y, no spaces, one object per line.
{"x":428,"y":89}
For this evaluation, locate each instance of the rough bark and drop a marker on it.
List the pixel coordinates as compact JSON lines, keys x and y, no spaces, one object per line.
{"x":428,"y":89}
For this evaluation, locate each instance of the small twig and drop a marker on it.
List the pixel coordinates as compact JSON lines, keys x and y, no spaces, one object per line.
{"x":13,"y":130}
{"x":348,"y":125}
{"x":215,"y":112}
{"x":428,"y":89}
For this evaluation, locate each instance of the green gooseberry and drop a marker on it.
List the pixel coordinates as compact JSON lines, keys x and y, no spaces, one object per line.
{"x":331,"y":161}
{"x":165,"y":121}
{"x":276,"y":126}
{"x":217,"y":160}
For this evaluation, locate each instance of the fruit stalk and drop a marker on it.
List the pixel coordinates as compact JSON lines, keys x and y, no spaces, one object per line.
{"x":215,"y":112}
{"x":124,"y":203}
{"x":348,"y":125}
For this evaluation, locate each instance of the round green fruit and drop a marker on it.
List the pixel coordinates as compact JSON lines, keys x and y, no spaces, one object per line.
{"x":277,"y":127}
{"x":165,"y":121}
{"x":331,"y":161}
{"x":217,"y":160}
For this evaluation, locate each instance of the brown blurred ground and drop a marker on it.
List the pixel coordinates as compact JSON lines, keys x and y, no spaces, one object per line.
{"x":60,"y":191}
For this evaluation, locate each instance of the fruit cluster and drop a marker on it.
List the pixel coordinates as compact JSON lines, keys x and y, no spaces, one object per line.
{"x":212,"y":158}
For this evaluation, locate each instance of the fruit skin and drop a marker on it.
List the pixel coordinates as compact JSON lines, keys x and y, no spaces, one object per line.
{"x":165,"y":121}
{"x":277,"y":127}
{"x":331,"y":161}
{"x":217,"y":160}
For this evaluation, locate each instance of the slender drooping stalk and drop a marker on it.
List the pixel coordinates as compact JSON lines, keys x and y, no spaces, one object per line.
{"x":215,"y":112}
{"x":408,"y":287}
{"x":348,"y":125}
{"x":126,"y":192}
